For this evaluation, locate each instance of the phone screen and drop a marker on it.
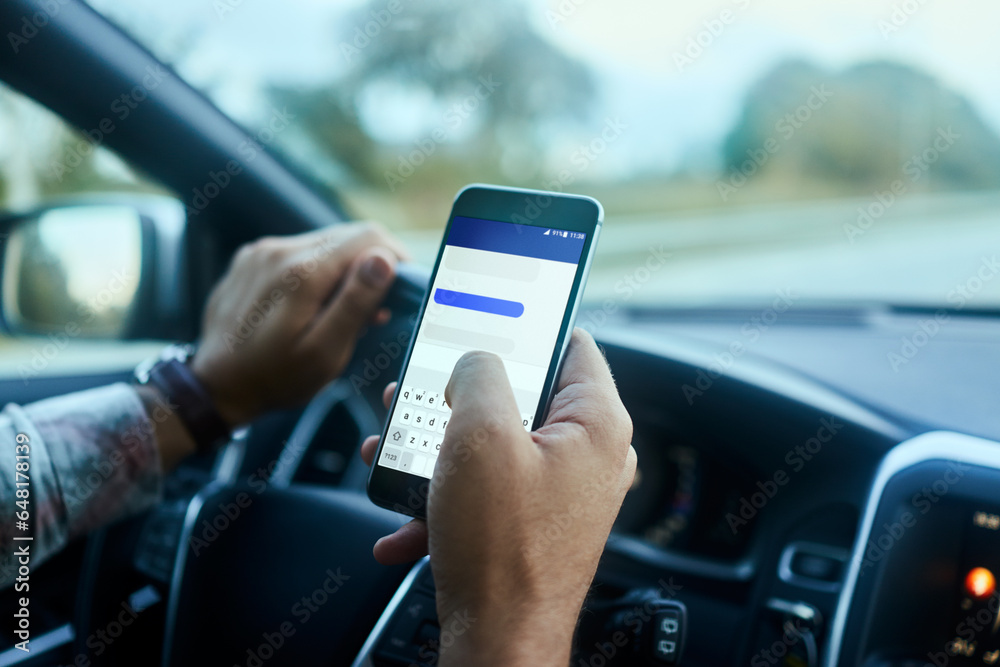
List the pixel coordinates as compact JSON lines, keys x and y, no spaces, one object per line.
{"x":501,"y":287}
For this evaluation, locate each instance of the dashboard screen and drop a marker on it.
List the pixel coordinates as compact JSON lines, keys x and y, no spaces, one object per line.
{"x":936,"y":581}
{"x":975,"y":636}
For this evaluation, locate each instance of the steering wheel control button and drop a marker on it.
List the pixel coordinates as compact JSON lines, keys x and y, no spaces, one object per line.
{"x":789,"y":633}
{"x":639,"y":628}
{"x":667,"y":635}
{"x":666,"y":641}
{"x":413,"y":634}
{"x":426,"y":580}
{"x":428,"y":634}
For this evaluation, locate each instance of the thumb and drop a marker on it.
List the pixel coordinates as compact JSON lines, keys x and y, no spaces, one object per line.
{"x":480,"y":396}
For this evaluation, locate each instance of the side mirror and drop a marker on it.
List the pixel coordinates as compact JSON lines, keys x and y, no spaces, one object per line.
{"x":109,"y":268}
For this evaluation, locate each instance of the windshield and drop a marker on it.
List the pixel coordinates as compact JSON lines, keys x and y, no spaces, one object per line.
{"x":743,"y":150}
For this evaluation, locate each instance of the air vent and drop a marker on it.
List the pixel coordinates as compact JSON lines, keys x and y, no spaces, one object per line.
{"x":811,"y":565}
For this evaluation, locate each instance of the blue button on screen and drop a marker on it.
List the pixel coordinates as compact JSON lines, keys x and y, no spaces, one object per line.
{"x":484,"y":304}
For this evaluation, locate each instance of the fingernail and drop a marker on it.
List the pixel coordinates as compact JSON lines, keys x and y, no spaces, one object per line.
{"x":376,"y":271}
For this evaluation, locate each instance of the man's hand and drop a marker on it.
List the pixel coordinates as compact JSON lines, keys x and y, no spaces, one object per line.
{"x":284,"y":319}
{"x":517,"y":521}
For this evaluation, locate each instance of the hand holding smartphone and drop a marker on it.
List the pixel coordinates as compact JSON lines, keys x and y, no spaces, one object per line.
{"x":508,"y":280}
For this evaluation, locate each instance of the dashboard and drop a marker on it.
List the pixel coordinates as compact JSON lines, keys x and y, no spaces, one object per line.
{"x":757,"y":510}
{"x":930,"y":543}
{"x":778,"y":506}
{"x":687,"y":499}
{"x":750,"y":495}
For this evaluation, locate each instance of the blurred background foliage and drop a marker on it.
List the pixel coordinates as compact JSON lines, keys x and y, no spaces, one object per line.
{"x":546,"y":106}
{"x":426,"y":61}
{"x":878,"y":117}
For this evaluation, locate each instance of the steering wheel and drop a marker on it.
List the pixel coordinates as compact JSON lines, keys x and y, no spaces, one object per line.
{"x":287,"y":570}
{"x":249,"y":569}
{"x":254,"y":570}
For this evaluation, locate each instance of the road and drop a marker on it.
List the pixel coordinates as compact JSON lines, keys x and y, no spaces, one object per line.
{"x":920,"y":251}
{"x":917,"y":252}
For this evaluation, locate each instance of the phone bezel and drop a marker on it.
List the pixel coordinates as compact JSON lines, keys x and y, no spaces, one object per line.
{"x":406,"y":493}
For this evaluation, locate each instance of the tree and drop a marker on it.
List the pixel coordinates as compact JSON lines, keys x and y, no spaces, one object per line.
{"x":862,"y":131}
{"x":448,"y":49}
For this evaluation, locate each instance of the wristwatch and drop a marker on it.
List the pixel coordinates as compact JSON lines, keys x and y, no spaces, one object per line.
{"x":171,"y":375}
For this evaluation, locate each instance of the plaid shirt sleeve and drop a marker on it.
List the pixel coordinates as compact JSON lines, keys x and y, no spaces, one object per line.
{"x":92,"y":460}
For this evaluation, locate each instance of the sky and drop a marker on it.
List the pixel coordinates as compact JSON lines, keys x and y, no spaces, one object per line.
{"x":677,"y":113}
{"x":699,"y":100}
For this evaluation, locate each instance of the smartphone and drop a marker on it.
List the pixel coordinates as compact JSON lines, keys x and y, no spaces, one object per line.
{"x":508,"y":279}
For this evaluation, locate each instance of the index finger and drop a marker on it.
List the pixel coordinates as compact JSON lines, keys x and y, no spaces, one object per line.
{"x":319,"y":260}
{"x":348,"y":239}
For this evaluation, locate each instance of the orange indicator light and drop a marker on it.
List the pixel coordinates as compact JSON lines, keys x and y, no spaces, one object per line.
{"x":980,"y":583}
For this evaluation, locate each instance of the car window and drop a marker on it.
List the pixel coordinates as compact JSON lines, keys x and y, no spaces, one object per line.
{"x":42,"y":159}
{"x":840,"y":151}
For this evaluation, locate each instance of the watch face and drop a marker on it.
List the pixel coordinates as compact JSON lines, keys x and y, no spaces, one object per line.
{"x":181,"y":353}
{"x":141,"y":373}
{"x":178,"y":351}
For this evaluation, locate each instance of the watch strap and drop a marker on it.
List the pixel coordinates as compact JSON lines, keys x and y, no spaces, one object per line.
{"x":188,"y":397}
